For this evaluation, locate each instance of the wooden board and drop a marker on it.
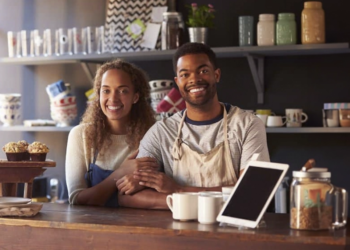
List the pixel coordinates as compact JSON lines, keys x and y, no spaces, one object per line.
{"x":27,"y":164}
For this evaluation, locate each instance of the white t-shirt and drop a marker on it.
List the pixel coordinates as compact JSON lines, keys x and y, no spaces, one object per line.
{"x":77,"y":163}
{"x":246,"y":136}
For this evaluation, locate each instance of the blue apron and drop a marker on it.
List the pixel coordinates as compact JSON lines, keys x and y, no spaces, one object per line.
{"x":95,"y":175}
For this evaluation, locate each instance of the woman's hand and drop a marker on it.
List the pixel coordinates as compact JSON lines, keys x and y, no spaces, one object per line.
{"x":128,"y":185}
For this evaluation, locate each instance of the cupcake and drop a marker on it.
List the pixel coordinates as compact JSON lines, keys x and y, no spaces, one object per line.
{"x":38,"y":151}
{"x":15,"y":151}
{"x":25,"y":145}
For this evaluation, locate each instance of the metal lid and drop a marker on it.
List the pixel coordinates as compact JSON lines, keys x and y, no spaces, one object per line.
{"x":286,"y":16}
{"x":172,"y":14}
{"x":303,"y":174}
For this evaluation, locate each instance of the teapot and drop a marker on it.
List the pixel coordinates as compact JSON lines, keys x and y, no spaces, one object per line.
{"x":315,"y":203}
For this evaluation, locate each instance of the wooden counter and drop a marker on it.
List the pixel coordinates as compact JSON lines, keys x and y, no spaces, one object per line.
{"x":82,"y":227}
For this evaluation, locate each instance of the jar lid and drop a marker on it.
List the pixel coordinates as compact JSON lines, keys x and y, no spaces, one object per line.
{"x":303,"y":174}
{"x":267,"y":17}
{"x":316,"y":5}
{"x":288,"y":16}
{"x":172,"y":14}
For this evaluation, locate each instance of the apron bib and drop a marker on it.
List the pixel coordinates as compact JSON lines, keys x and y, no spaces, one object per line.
{"x":95,"y":175}
{"x":214,"y":168}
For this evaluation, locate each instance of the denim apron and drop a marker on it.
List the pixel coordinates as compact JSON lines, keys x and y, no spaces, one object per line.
{"x":95,"y":175}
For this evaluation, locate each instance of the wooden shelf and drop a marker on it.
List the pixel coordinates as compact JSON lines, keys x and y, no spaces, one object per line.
{"x":285,"y":130}
{"x":221,"y":52}
{"x":20,"y":128}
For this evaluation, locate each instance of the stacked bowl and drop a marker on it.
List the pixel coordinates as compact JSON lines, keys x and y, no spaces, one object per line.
{"x":10,"y":105}
{"x":63,"y":105}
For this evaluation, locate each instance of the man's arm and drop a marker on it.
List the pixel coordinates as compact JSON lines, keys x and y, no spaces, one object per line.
{"x":147,"y":198}
{"x":254,"y":143}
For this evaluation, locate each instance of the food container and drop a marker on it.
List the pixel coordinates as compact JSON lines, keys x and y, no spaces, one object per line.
{"x":315,"y":203}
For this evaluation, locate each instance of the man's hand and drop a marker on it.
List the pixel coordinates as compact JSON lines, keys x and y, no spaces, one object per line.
{"x":156,"y":180}
{"x":128,"y":185}
{"x":132,"y":164}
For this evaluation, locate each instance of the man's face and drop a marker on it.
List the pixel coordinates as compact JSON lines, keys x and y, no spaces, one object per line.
{"x":196,"y":79}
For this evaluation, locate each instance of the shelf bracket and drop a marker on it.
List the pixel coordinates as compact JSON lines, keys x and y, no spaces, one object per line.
{"x":256,"y":64}
{"x":88,"y":72}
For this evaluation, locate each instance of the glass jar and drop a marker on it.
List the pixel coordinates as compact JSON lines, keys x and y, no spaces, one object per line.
{"x":286,"y":29}
{"x":312,"y":23}
{"x":316,"y":204}
{"x":266,"y":30}
{"x":246,"y":30}
{"x":172,"y":30}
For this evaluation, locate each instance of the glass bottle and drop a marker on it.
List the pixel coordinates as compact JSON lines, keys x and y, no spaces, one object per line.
{"x":172,"y":30}
{"x":266,"y":30}
{"x":313,"y":23}
{"x":315,"y":204}
{"x":286,"y":29}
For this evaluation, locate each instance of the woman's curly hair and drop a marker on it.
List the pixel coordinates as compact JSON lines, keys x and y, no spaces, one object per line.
{"x":141,"y":114}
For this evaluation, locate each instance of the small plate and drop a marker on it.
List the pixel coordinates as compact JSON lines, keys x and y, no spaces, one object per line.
{"x":14,"y":200}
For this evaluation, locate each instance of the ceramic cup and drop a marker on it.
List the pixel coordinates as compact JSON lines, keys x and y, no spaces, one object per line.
{"x":209,"y":206}
{"x":295,"y":117}
{"x":344,"y":117}
{"x":264,"y":112}
{"x":183,"y":205}
{"x":263,"y":118}
{"x":330,"y":117}
{"x":275,"y":121}
{"x":226,"y":192}
{"x":10,"y":113}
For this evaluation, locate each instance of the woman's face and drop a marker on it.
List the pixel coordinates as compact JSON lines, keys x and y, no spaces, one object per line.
{"x":117,"y":95}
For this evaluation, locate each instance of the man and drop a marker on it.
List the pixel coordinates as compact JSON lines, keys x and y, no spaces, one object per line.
{"x":204,"y":147}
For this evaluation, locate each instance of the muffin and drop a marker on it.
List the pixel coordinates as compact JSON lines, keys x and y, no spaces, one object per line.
{"x":15,"y":151}
{"x":25,"y":145}
{"x":38,"y":151}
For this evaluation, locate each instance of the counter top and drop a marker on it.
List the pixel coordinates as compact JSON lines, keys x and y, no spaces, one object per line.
{"x":61,"y":226}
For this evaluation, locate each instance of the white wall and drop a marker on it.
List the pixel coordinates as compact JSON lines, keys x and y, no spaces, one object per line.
{"x":31,"y":81}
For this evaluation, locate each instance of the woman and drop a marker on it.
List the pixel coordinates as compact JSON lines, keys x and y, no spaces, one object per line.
{"x":102,"y":149}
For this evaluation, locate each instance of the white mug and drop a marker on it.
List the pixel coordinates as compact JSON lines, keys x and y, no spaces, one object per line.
{"x":209,"y":207}
{"x":330,"y":117}
{"x":226,"y":192}
{"x":263,"y":118}
{"x":294,"y":117}
{"x":275,"y":121}
{"x":183,"y":205}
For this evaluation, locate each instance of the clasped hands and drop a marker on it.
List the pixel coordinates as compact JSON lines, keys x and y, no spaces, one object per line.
{"x":143,"y":173}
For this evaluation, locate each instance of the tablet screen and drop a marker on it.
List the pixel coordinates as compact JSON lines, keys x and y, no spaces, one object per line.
{"x":252,"y":193}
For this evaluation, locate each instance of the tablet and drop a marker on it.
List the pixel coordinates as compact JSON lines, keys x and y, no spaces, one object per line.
{"x":252,"y":194}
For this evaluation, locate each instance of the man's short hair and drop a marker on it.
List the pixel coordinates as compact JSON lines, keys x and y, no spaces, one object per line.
{"x":194,"y":48}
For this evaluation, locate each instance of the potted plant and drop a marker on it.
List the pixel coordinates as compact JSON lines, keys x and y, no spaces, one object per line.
{"x":200,"y":18}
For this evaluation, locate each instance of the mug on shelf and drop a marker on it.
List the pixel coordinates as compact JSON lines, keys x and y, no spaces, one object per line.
{"x":294,"y":117}
{"x":275,"y":121}
{"x":330,"y":117}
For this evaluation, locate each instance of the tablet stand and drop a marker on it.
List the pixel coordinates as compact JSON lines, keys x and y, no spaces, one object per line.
{"x":261,"y":224}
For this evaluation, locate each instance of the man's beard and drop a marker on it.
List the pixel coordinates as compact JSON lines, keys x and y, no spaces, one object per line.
{"x":210,"y":92}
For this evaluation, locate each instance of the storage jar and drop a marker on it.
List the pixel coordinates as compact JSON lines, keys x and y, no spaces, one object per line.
{"x":266,"y":30}
{"x":286,"y":31}
{"x":312,"y":23}
{"x":315,"y":204}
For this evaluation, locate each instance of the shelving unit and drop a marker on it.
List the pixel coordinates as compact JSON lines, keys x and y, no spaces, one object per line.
{"x":254,"y":54}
